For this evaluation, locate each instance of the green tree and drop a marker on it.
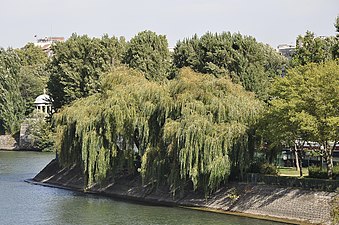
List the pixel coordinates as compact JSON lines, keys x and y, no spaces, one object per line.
{"x":278,"y":130}
{"x":304,"y":107}
{"x":12,"y":106}
{"x":31,"y":55}
{"x":32,"y":75}
{"x":335,"y":49}
{"x":192,"y":129}
{"x":242,"y":58}
{"x":186,"y":53}
{"x":312,"y":49}
{"x":148,"y":52}
{"x":78,"y":63}
{"x":40,"y":132}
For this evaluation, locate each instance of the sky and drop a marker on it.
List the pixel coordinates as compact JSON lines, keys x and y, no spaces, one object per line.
{"x":272,"y":22}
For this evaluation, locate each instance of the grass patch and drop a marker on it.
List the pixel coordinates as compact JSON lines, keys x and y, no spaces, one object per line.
{"x":291,"y":171}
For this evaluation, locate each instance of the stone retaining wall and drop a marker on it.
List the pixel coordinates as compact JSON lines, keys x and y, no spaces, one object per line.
{"x":290,"y":203}
{"x":23,"y":141}
{"x":8,"y":142}
{"x":298,"y":206}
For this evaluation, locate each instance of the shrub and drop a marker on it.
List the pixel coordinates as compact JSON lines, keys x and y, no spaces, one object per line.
{"x":254,"y":167}
{"x":263,"y":168}
{"x":336,"y":172}
{"x":39,"y":132}
{"x":270,"y":169}
{"x":317,"y":172}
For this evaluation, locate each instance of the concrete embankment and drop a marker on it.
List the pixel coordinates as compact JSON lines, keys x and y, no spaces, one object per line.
{"x":291,"y":205}
{"x":8,"y":142}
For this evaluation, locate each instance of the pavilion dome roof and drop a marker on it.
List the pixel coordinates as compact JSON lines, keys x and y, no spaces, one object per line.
{"x":43,"y":99}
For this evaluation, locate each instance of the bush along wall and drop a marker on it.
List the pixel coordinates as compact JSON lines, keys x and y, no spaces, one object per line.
{"x":306,"y":183}
{"x":321,"y":173}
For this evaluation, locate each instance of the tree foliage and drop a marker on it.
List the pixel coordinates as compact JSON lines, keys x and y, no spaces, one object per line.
{"x":336,"y":25}
{"x":39,"y":132}
{"x":305,"y":106}
{"x":148,"y":52}
{"x":77,"y":65}
{"x":242,"y":58}
{"x":190,"y":129}
{"x":31,"y":55}
{"x":335,"y":49}
{"x":12,"y":106}
{"x":32,"y":75}
{"x":312,"y":49}
{"x":23,"y":76}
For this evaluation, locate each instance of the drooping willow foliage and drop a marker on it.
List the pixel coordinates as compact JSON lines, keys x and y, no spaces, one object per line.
{"x":190,"y":129}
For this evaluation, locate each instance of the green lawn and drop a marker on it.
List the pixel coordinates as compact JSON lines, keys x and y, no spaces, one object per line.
{"x":291,"y":171}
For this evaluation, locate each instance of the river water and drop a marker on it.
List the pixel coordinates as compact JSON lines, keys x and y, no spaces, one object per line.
{"x":28,"y":204}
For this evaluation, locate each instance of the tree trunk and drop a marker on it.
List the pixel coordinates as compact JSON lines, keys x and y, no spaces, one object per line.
{"x":296,"y":157}
{"x":300,"y":165}
{"x":329,"y":160}
{"x":301,"y":151}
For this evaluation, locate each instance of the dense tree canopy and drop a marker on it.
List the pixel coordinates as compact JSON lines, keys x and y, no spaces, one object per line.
{"x":184,"y":130}
{"x":312,"y":49}
{"x":23,"y":76}
{"x":77,"y":65}
{"x":252,"y":64}
{"x":33,"y":76}
{"x":305,"y":106}
{"x":196,"y":128}
{"x":12,"y":106}
{"x":148,"y":52}
{"x":31,"y":55}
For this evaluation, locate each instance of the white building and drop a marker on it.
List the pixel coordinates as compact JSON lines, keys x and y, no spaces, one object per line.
{"x":286,"y":50}
{"x":46,"y":43}
{"x":43,"y":103}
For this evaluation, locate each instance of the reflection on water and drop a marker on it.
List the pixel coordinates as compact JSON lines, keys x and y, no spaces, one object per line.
{"x":23,"y":203}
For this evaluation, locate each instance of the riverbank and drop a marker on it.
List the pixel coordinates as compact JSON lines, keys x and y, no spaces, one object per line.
{"x":291,"y":205}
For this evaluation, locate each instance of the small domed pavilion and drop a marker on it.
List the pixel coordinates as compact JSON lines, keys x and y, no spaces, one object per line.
{"x":43,"y":103}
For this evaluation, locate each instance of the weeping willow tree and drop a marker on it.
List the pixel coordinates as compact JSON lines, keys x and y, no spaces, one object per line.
{"x":192,"y":129}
